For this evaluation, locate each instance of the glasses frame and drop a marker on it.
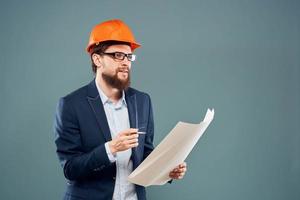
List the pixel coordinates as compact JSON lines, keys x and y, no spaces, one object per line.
{"x":130,"y":57}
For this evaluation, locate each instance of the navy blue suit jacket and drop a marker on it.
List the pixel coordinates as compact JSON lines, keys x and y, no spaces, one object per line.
{"x":81,"y":129}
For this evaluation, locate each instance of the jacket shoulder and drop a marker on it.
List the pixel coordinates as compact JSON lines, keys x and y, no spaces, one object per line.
{"x":77,"y":94}
{"x":131,"y":91}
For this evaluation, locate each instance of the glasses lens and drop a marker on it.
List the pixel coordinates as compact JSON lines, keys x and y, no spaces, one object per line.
{"x":131,"y":57}
{"x":119,"y":55}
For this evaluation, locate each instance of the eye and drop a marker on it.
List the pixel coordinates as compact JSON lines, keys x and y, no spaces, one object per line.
{"x":119,"y":55}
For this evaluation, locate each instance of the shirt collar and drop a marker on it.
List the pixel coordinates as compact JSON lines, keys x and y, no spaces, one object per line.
{"x":105,"y":99}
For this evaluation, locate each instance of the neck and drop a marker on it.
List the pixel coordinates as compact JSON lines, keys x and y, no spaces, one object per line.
{"x":112,"y":93}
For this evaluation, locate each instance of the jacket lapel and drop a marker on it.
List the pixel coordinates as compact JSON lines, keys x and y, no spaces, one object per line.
{"x":132,"y":109}
{"x":132,"y":112}
{"x":98,"y":109}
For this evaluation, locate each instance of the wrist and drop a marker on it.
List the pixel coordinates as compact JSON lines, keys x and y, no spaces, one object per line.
{"x":112,"y":148}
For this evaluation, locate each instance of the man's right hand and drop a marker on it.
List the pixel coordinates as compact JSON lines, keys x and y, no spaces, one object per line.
{"x":124,"y":140}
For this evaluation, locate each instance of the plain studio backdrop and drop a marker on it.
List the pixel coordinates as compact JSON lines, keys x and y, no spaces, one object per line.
{"x":240,"y":57}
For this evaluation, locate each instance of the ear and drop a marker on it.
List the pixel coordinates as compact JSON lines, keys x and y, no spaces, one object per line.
{"x":97,"y":60}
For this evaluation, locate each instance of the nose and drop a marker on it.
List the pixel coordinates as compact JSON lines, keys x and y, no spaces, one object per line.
{"x":126,"y":63}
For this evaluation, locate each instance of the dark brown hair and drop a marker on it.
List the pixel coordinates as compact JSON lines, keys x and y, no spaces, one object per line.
{"x":101,"y":47}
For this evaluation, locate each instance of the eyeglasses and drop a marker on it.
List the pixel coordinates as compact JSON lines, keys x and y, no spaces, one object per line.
{"x":120,"y":56}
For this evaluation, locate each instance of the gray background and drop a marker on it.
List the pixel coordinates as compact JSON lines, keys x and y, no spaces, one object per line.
{"x":240,"y":57}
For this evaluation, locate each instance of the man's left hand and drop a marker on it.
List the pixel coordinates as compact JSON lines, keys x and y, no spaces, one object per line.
{"x":179,"y":171}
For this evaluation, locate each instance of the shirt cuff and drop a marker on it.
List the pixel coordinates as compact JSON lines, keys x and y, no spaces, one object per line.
{"x":112,"y":158}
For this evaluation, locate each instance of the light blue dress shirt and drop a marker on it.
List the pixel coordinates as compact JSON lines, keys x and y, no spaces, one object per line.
{"x":118,"y":120}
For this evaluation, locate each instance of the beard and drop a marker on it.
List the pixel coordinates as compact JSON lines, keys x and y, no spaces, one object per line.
{"x":115,"y":82}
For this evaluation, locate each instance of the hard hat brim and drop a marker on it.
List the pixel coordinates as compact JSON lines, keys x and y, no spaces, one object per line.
{"x":133,"y":45}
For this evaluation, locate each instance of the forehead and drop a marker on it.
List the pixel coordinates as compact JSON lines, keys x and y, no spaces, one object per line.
{"x":119,"y":47}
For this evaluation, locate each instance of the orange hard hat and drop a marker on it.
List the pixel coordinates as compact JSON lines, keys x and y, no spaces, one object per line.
{"x":115,"y":30}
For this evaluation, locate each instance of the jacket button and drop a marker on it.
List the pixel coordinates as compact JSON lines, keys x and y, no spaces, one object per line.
{"x":114,"y":178}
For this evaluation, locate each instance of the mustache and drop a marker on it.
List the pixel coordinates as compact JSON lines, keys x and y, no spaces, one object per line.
{"x":123,"y":69}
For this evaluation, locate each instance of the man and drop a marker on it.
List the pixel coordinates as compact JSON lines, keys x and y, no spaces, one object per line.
{"x":105,"y":129}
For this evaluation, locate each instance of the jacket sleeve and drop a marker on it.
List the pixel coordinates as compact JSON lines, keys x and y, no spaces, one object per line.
{"x":76,"y":163}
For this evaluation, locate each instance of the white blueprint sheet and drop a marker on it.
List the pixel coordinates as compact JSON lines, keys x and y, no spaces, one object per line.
{"x":171,"y":152}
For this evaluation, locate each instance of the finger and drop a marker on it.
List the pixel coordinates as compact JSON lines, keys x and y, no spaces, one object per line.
{"x":132,"y":141}
{"x":175,"y":176}
{"x":181,"y":170}
{"x":132,"y":131}
{"x":133,"y":145}
{"x":182,"y":165}
{"x":128,"y":132}
{"x":131,"y":137}
{"x":179,"y":177}
{"x":127,"y":145}
{"x":175,"y":173}
{"x":176,"y":170}
{"x":172,"y":175}
{"x":179,"y":173}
